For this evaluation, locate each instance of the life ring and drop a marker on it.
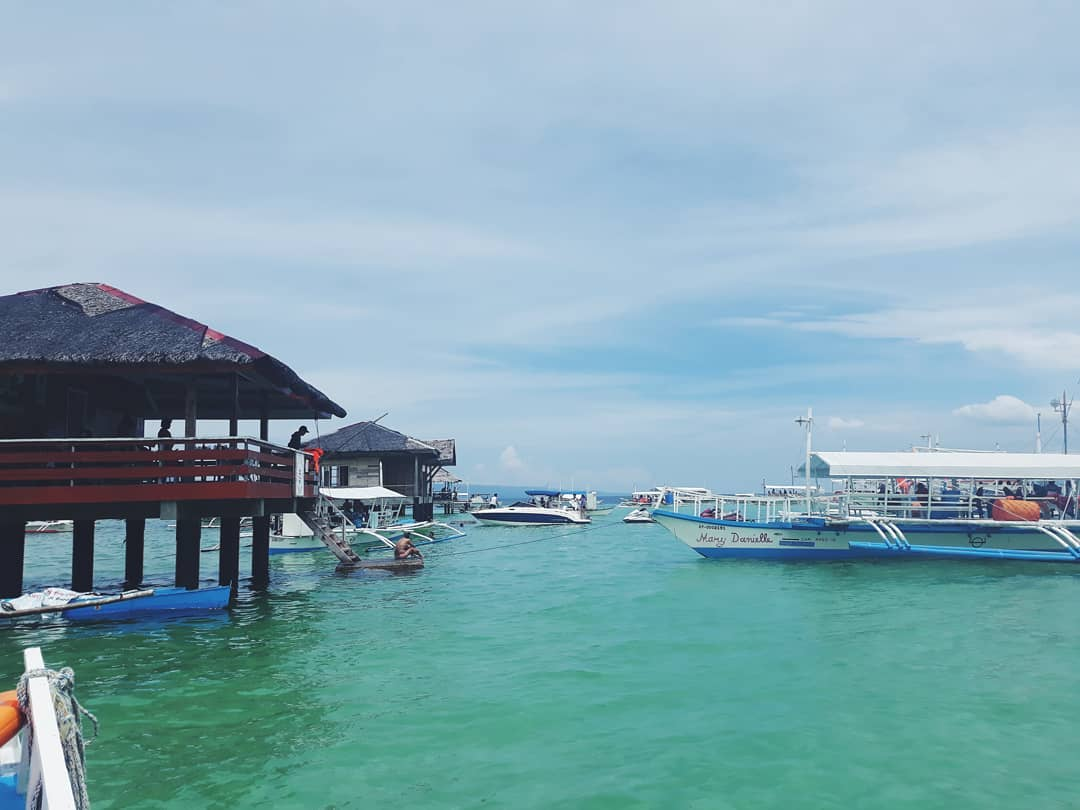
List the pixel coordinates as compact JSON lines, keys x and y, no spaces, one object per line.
{"x":11,"y":719}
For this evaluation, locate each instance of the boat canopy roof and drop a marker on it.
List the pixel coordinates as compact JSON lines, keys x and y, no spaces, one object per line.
{"x":359,"y":493}
{"x":554,"y":493}
{"x":1030,"y":466}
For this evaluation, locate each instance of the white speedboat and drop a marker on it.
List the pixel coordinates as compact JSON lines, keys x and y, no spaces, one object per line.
{"x":529,"y":514}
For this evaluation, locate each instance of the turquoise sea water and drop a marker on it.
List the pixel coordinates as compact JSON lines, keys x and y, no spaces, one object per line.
{"x":611,"y":668}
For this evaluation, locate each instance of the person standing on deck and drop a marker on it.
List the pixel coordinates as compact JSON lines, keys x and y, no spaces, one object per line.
{"x":298,"y":437}
{"x":494,"y":502}
{"x":164,"y":447}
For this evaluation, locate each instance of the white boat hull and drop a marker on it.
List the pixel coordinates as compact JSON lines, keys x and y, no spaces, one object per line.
{"x":529,"y":516}
{"x":819,"y":539}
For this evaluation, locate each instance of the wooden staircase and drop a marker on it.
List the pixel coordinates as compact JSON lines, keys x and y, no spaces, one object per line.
{"x":337,"y":544}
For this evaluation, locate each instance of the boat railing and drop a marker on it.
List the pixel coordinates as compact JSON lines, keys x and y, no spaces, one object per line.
{"x":741,"y":507}
{"x":64,"y":471}
{"x":950,"y":506}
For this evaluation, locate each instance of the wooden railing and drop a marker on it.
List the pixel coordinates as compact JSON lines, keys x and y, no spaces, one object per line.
{"x":60,"y":471}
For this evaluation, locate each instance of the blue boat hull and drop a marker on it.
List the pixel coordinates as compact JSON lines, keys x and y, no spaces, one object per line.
{"x":164,"y":600}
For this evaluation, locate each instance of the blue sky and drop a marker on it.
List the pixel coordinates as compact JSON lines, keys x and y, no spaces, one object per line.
{"x":602,"y":243}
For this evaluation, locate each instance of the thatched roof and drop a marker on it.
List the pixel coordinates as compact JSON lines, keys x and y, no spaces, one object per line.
{"x":370,"y":438}
{"x":445,"y":477}
{"x":447,"y":450}
{"x":94,"y":329}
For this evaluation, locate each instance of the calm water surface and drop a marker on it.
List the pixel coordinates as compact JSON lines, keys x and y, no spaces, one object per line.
{"x":609,"y":669}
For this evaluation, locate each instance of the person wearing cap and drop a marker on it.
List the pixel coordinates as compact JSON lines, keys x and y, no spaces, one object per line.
{"x":404,"y":548}
{"x":297,"y":437}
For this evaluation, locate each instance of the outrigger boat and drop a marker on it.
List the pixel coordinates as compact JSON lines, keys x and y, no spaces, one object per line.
{"x":378,"y":526}
{"x":963,"y":505}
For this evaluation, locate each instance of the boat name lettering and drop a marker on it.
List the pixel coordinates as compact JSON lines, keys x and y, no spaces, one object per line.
{"x":759,"y":539}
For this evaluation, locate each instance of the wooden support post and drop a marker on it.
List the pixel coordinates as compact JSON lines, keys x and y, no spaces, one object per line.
{"x":234,"y":418}
{"x":188,"y":538}
{"x":82,"y":556}
{"x":191,"y":411}
{"x":12,"y":554}
{"x":229,"y":553}
{"x":260,"y":552}
{"x":134,"y":536}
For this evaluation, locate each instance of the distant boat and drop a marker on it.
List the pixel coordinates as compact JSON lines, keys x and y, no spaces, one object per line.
{"x":652,"y":498}
{"x":49,"y":526}
{"x":123,"y":605}
{"x":639,"y":516}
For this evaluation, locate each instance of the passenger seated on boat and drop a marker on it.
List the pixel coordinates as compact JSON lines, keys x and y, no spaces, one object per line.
{"x":921,"y":495}
{"x":404,"y":549}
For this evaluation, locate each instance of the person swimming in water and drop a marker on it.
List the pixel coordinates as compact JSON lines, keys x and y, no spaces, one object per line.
{"x":404,"y":549}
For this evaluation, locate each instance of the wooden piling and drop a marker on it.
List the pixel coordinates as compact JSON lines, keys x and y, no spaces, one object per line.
{"x":229,"y":553}
{"x":188,"y":539}
{"x":260,"y":552}
{"x":12,"y":553}
{"x":134,"y":548}
{"x":82,"y":556}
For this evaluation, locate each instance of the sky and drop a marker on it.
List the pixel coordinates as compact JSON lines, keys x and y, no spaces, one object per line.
{"x":604,"y":244}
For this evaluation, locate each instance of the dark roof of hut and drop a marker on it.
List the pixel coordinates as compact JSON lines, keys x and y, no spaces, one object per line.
{"x":93,"y":329}
{"x":447,"y":450}
{"x":370,"y":438}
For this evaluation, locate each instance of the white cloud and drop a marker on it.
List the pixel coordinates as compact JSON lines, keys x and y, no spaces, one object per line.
{"x":837,"y":423}
{"x":1002,"y":409}
{"x":510,"y":460}
{"x":1031,"y":327}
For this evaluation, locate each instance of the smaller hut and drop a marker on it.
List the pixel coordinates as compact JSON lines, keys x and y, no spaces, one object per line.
{"x":366,"y":454}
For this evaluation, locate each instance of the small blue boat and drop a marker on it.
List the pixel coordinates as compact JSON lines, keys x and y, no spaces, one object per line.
{"x":129,"y":604}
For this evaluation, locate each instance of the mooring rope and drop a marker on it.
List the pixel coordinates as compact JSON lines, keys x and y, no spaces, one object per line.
{"x":546,"y":538}
{"x":69,"y":714}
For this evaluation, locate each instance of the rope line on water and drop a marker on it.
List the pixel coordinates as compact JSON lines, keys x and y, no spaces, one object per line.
{"x":545,"y":538}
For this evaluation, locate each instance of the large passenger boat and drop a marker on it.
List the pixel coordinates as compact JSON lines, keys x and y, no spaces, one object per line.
{"x":969,"y":505}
